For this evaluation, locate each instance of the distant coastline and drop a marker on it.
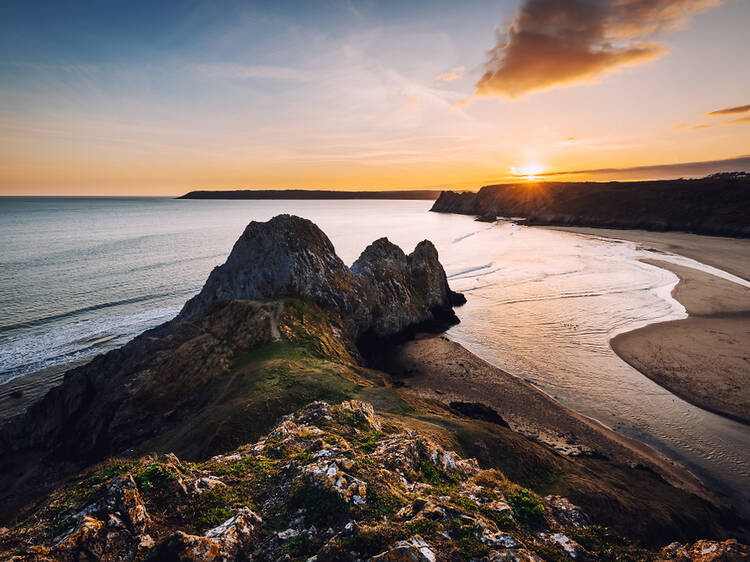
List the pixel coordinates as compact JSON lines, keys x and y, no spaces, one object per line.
{"x":419,"y":194}
{"x":717,"y":205}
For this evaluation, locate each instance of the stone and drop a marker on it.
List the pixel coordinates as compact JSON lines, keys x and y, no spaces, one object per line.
{"x":706,"y":551}
{"x":414,"y":549}
{"x":565,"y":513}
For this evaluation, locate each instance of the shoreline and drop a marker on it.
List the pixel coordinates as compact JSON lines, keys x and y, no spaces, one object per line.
{"x":703,"y":358}
{"x":434,"y":367}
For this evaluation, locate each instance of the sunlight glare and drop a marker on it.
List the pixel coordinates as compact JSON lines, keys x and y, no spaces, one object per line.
{"x":529,"y":171}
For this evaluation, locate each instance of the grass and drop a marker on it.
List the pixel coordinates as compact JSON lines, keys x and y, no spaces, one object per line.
{"x":430,"y":472}
{"x":527,"y":509}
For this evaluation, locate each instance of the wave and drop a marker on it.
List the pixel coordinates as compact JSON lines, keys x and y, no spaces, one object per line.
{"x":61,"y":344}
{"x":469,"y":270}
{"x":78,"y":311}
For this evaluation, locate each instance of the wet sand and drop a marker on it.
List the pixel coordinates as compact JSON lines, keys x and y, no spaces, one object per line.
{"x":705,"y":358}
{"x":730,"y":254}
{"x":436,"y":368}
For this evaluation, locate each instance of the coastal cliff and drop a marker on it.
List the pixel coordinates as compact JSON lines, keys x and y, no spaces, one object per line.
{"x":278,"y":274}
{"x":715,"y":205}
{"x":253,"y":426}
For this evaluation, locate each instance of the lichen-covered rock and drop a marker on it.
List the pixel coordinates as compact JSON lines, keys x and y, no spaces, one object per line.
{"x":706,"y":551}
{"x":364,"y":412}
{"x":124,"y":500}
{"x":513,"y":555}
{"x":193,"y":548}
{"x":334,"y":482}
{"x":414,"y":549}
{"x":565,"y":512}
{"x":565,"y":544}
{"x":231,"y":540}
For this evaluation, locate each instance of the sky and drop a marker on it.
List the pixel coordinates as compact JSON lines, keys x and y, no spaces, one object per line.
{"x":159,"y":98}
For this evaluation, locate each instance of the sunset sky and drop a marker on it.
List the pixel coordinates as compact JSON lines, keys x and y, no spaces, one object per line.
{"x":141,"y":98}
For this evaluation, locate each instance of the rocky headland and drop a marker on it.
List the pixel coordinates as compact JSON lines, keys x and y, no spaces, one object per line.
{"x":263,"y":422}
{"x":714,"y":205}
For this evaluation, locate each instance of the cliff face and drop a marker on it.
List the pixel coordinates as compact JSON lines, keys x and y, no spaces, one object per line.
{"x":184,"y":375}
{"x":716,"y":205}
{"x":385,"y":292}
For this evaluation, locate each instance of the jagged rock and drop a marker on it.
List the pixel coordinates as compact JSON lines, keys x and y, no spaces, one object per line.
{"x":363,"y":411}
{"x":193,"y":548}
{"x":123,"y":499}
{"x":705,"y":551}
{"x":286,"y":256}
{"x":237,"y":533}
{"x":224,"y":542}
{"x":513,"y":555}
{"x":421,"y":507}
{"x":385,"y":291}
{"x":329,"y":475}
{"x":565,"y":512}
{"x":276,"y":474}
{"x":561,"y":541}
{"x":138,"y":392}
{"x":415,"y":549}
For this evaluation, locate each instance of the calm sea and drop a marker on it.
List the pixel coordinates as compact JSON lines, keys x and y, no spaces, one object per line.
{"x":80,"y":276}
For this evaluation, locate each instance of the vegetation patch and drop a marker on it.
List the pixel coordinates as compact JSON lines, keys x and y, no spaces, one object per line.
{"x":527,"y":509}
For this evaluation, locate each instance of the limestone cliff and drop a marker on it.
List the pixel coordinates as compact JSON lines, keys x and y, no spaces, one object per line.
{"x":385,"y":292}
{"x":179,"y":370}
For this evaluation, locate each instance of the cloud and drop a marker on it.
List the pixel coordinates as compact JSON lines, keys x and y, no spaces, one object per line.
{"x":450,"y":76}
{"x":406,"y":100}
{"x":729,"y":111}
{"x":253,"y":71}
{"x":741,"y":120}
{"x":556,"y":42}
{"x":682,"y":169}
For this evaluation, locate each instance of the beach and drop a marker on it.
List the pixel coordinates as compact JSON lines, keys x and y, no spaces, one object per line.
{"x":705,"y":358}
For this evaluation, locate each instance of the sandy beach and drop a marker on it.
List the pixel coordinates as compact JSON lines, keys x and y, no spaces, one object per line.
{"x":437,"y":368}
{"x":705,"y":358}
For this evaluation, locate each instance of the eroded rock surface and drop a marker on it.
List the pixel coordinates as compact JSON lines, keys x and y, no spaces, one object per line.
{"x":394,"y":495}
{"x":172,"y":373}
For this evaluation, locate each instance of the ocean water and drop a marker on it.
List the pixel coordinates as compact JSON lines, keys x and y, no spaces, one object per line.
{"x":80,"y":276}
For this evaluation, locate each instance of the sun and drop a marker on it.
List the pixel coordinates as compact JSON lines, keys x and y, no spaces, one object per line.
{"x":529,"y":171}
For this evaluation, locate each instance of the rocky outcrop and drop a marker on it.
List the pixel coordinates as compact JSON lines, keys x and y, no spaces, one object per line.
{"x":384,"y":293}
{"x":391,"y":495}
{"x":171,"y":374}
{"x":715,"y":205}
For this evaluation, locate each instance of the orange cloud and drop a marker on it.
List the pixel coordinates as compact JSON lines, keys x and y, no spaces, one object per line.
{"x":729,"y":111}
{"x":407,"y":100}
{"x":741,"y":120}
{"x":551,"y":43}
{"x":450,"y":76}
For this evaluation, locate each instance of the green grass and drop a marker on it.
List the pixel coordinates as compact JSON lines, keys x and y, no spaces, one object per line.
{"x":527,"y":509}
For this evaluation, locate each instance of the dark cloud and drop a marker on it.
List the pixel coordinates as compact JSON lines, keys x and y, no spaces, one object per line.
{"x":730,"y":111}
{"x":554,"y":42}
{"x":665,"y":171}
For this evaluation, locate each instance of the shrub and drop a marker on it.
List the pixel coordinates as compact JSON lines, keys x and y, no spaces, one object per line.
{"x":528,"y":510}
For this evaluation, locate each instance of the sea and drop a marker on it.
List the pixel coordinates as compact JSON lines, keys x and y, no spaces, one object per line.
{"x":81,"y":276}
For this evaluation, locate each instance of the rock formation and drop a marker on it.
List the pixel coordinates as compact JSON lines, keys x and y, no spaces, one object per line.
{"x":327,"y":483}
{"x":166,"y":375}
{"x":385,"y":292}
